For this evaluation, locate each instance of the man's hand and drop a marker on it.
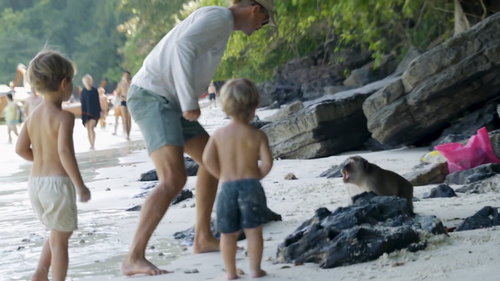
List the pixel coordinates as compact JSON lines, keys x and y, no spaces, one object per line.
{"x":192,"y":115}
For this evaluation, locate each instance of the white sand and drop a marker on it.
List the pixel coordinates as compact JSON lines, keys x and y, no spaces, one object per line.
{"x":462,"y":256}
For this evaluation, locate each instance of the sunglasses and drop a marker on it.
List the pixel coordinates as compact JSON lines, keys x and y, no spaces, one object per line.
{"x":266,"y":20}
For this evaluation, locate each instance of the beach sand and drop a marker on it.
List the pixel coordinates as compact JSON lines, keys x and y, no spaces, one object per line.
{"x":107,"y":230}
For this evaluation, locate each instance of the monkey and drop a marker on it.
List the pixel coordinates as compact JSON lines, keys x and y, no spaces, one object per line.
{"x":369,"y":177}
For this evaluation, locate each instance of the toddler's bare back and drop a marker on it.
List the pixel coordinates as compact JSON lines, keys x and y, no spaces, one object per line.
{"x":238,"y":147}
{"x":45,"y":135}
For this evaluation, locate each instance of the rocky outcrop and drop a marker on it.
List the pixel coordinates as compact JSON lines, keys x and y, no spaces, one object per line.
{"x":369,"y":73}
{"x":473,"y":175}
{"x":324,"y":127}
{"x":313,"y":76}
{"x":438,"y":86}
{"x":285,"y":112}
{"x":467,"y":125}
{"x":372,"y":226}
{"x":425,"y":173}
{"x":490,"y":183}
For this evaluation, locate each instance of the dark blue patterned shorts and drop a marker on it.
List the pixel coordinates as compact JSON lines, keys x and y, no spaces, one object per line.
{"x":241,"y":204}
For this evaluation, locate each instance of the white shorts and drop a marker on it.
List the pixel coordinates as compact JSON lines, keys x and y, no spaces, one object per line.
{"x":54,"y":201}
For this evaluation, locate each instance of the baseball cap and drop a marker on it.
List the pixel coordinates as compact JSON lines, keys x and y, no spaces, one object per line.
{"x":269,"y":6}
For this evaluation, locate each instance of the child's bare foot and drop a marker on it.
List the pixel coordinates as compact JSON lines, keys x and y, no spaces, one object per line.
{"x":232,"y":276}
{"x":40,"y":276}
{"x":258,"y":274}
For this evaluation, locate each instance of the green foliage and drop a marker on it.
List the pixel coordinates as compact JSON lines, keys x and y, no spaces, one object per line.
{"x":381,"y":26}
{"x":84,"y":30}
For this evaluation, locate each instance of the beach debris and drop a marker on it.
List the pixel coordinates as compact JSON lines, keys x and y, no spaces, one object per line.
{"x":285,"y":267}
{"x":192,"y":205}
{"x":269,"y":238}
{"x":290,"y":176}
{"x":108,"y":189}
{"x":485,"y":218}
{"x":269,"y":258}
{"x":20,"y":248}
{"x":160,"y":254}
{"x":191,"y":271}
{"x":188,"y":235}
{"x":152,"y":247}
{"x":377,"y":224}
{"x":81,"y":241}
{"x":440,"y":191}
{"x":26,"y":240}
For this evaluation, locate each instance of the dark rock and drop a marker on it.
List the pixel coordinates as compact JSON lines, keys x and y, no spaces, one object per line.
{"x":149,"y":176}
{"x":187,"y":236}
{"x":368,"y":73}
{"x":441,"y":191}
{"x":325,"y":127}
{"x":438,"y":86}
{"x":183,"y":195}
{"x":495,"y":141}
{"x":467,"y":125}
{"x":480,"y":172}
{"x":191,"y":170}
{"x":485,"y":218}
{"x":490,"y":184}
{"x":374,"y":145}
{"x":372,"y":226}
{"x":425,"y":173}
{"x":333,"y":172}
{"x":257,"y":123}
{"x":450,"y":139}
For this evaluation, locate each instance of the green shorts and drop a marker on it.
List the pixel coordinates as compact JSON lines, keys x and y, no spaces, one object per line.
{"x":160,"y":121}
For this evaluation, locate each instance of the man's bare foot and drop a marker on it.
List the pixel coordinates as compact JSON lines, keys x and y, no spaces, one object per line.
{"x":258,"y":274}
{"x":142,"y":266}
{"x":206,"y":246}
{"x":40,"y":276}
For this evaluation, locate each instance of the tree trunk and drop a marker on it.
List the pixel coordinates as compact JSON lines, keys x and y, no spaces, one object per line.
{"x":461,"y":22}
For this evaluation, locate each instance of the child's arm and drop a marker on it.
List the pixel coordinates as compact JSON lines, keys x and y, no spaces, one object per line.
{"x":67,"y":155}
{"x":23,"y":145}
{"x":266,"y":156}
{"x":211,"y":159}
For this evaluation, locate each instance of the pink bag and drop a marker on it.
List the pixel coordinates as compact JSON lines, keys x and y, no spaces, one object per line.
{"x":476,"y":152}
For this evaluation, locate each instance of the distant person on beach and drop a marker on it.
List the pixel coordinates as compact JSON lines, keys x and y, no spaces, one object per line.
{"x":211,"y":95}
{"x":91,"y":108}
{"x":116,"y":109}
{"x":232,"y":155}
{"x":32,"y":102}
{"x":12,"y":114}
{"x":47,"y":140}
{"x":103,"y":100}
{"x":163,"y":100}
{"x":122,"y":90}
